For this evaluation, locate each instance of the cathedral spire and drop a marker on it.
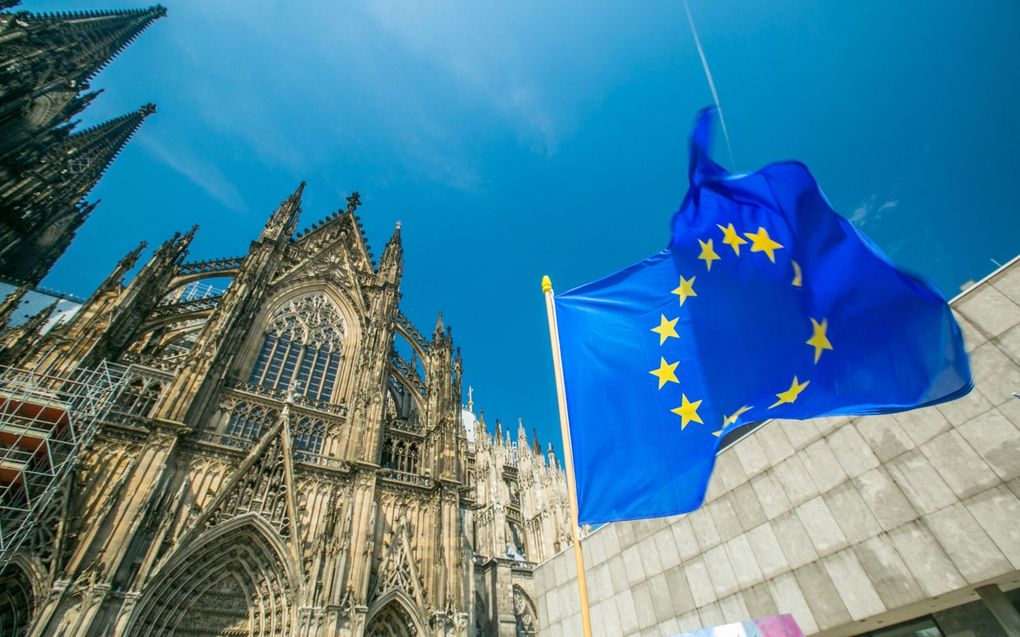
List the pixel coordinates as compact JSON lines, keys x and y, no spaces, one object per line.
{"x":68,"y":49}
{"x":283,"y":222}
{"x":86,"y":155}
{"x":392,"y":261}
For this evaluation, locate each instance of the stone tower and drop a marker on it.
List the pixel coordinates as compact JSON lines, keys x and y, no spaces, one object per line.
{"x":46,"y":64}
{"x":275,"y":465}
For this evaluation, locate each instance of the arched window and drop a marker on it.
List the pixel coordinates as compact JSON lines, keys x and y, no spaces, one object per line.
{"x":302,"y":348}
{"x":309,"y":435}
{"x":249,"y":421}
{"x":139,"y":397}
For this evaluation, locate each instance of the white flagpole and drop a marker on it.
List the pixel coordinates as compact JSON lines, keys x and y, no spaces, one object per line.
{"x":568,"y":456}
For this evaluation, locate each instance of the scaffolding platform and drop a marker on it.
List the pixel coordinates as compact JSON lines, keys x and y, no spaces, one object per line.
{"x":45,"y":421}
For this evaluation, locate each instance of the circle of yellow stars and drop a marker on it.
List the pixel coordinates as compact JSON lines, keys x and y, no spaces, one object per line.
{"x":666,"y":373}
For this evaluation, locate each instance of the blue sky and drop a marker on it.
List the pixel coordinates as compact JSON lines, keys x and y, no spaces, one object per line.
{"x":518,"y":139}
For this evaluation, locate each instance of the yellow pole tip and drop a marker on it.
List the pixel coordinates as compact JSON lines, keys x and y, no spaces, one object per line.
{"x":546,"y":284}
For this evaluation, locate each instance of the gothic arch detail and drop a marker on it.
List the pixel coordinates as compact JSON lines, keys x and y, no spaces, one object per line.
{"x":235,"y":580}
{"x":17,"y":598}
{"x":393,"y":616}
{"x":524,"y":613}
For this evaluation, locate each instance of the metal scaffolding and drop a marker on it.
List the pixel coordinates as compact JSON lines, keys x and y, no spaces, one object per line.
{"x":45,"y":421}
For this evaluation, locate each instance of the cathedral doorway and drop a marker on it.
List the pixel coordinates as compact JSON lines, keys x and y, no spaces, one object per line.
{"x":16,"y":601}
{"x":391,"y":621}
{"x":234,"y":581}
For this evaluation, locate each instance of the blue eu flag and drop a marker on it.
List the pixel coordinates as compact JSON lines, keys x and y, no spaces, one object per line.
{"x":766,"y":304}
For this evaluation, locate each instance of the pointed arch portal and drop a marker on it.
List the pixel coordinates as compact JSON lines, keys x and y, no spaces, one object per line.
{"x":392,"y":620}
{"x":235,"y":581}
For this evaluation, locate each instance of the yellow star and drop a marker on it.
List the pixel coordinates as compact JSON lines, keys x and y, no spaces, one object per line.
{"x":818,"y":339}
{"x":666,"y":328}
{"x":708,"y":254}
{"x":731,"y":238}
{"x":686,"y":289}
{"x":732,"y":418}
{"x":798,"y":277}
{"x":762,"y":242}
{"x":687,"y":411}
{"x":790,"y":395}
{"x":666,"y":372}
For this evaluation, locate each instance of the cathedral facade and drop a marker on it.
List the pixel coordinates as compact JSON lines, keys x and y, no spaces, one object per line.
{"x":274,"y":464}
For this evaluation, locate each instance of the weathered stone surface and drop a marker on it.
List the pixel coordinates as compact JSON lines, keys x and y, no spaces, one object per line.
{"x":961,"y":467}
{"x":626,"y":611}
{"x":794,"y":540}
{"x":774,"y":443}
{"x":770,"y":494}
{"x":679,"y":587}
{"x":789,"y":598}
{"x":822,"y":598}
{"x":633,"y":564}
{"x":922,"y":424}
{"x":851,"y":451}
{"x":995,"y":373}
{"x":921,"y":483}
{"x":855,"y":588}
{"x":704,"y":529}
{"x":821,"y":527}
{"x":726,"y":522}
{"x":885,"y":436}
{"x":928,"y":563}
{"x":717,"y":562}
{"x":1009,"y":343}
{"x":728,"y":468}
{"x":852,"y":514}
{"x":746,"y":507}
{"x":989,"y":310}
{"x":768,"y":553}
{"x":884,"y":498}
{"x":822,"y":466}
{"x":683,"y":535}
{"x":888,"y":572}
{"x":733,"y":609}
{"x":963,"y":409}
{"x":800,"y":433}
{"x":759,"y":601}
{"x":997,"y":440}
{"x":751,"y":455}
{"x":997,"y":511}
{"x":795,"y":480}
{"x":745,"y":566}
{"x":966,"y":543}
{"x":701,"y":587}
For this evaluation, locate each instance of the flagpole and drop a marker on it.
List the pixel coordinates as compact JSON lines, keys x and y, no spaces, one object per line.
{"x":568,"y":456}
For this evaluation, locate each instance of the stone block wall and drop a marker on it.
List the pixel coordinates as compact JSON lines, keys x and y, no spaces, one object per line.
{"x":848,"y":524}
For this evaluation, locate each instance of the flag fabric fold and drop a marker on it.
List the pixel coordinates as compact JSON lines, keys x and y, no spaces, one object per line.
{"x":766,"y":304}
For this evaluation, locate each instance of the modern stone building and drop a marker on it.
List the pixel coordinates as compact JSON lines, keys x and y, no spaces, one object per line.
{"x":852,"y":525}
{"x":46,"y":170}
{"x":275,"y":465}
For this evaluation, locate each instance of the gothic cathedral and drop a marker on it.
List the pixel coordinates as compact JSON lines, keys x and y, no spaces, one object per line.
{"x":288,"y":454}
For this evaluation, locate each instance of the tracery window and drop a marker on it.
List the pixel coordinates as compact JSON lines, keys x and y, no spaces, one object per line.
{"x":400,"y":454}
{"x":302,"y":347}
{"x":309,"y":435}
{"x":249,"y":421}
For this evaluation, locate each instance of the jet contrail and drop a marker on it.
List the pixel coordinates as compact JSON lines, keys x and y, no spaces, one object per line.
{"x":711,"y":81}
